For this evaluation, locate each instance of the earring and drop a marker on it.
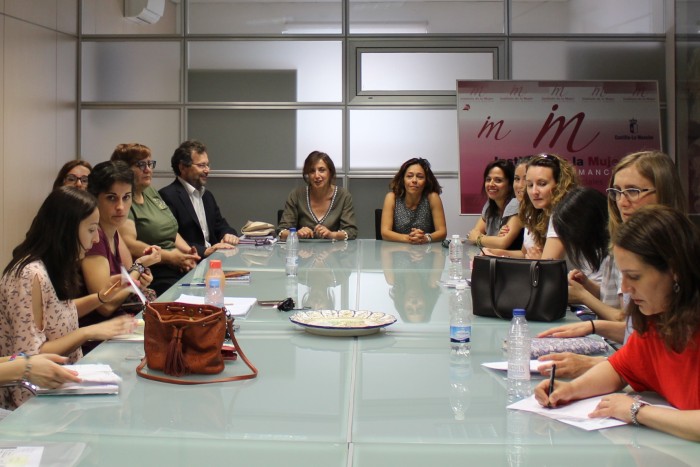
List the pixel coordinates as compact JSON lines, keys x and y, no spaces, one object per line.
{"x":676,"y":287}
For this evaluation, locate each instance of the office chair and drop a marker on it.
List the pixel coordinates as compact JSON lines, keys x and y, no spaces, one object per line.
{"x":378,"y":223}
{"x":279,"y":215}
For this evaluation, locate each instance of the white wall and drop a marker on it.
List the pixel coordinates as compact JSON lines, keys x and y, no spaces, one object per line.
{"x":38,"y":107}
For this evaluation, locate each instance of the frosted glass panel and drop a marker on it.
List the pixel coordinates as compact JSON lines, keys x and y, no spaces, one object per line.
{"x":588,"y":17}
{"x":107,"y":17}
{"x":131,"y":71}
{"x":103,"y":129}
{"x":422,"y":71}
{"x":589,"y":60}
{"x":426,"y":17}
{"x":267,"y":139}
{"x":384,"y":139}
{"x":316,"y":65}
{"x":261,"y":17}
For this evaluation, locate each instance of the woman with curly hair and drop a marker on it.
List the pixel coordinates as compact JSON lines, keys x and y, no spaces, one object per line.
{"x":548,"y":178}
{"x":413,"y":211}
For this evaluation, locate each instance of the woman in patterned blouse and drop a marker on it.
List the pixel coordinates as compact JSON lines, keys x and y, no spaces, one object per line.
{"x":413,"y":211}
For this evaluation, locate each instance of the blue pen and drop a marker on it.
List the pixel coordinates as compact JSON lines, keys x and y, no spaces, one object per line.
{"x":194,"y":284}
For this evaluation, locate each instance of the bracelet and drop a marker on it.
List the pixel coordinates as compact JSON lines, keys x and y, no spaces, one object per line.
{"x":100,"y":298}
{"x":27,"y":369}
{"x":592,"y":327}
{"x":18,"y":354}
{"x":429,"y":237}
{"x":136,"y":266}
{"x":345,"y":234}
{"x":478,"y":241}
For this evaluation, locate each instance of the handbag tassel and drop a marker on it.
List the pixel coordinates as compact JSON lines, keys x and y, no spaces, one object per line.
{"x":174,"y":361}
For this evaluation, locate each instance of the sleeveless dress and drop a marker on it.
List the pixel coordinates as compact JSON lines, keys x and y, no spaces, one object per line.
{"x":406,"y":219}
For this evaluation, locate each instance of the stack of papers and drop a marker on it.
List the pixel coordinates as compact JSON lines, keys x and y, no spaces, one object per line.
{"x":96,"y":379}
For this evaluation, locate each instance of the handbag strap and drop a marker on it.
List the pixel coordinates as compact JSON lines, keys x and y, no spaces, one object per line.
{"x":534,"y":283}
{"x":239,"y":351}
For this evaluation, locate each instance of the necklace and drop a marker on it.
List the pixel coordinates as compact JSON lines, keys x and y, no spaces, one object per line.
{"x":308,"y":204}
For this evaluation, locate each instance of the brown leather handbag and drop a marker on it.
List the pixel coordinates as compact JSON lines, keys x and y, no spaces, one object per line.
{"x":182,"y":339}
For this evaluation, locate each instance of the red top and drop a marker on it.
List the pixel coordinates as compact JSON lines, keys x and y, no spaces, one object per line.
{"x":648,"y":365}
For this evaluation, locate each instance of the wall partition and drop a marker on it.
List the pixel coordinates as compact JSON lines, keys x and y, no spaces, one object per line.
{"x":372,"y":83}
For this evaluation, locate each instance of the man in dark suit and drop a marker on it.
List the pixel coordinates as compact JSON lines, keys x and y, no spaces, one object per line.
{"x":198,"y":216}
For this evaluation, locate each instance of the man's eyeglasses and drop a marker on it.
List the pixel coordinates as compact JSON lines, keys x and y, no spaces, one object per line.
{"x":202,"y":165}
{"x":70,"y":178}
{"x":143,"y":164}
{"x":632,"y":194}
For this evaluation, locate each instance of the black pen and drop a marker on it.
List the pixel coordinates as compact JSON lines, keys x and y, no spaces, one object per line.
{"x":551,"y":382}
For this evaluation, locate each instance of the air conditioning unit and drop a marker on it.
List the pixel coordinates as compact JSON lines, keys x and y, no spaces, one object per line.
{"x":144,"y":11}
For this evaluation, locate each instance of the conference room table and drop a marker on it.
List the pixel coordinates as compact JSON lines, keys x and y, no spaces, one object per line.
{"x":395,"y":397}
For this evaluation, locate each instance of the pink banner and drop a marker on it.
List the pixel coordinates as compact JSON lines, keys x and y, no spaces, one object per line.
{"x":592,"y":124}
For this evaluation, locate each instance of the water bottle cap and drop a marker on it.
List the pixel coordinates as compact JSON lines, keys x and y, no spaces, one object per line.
{"x":518,"y":312}
{"x":455,"y":236}
{"x":215,"y":263}
{"x":292,"y":229}
{"x":214,"y":282}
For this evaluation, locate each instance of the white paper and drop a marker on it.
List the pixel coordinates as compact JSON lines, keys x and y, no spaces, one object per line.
{"x":575,"y":413}
{"x":96,"y":379}
{"x":136,"y":336}
{"x":238,"y":306}
{"x":21,"y":456}
{"x":534,"y":364}
{"x":127,"y":277}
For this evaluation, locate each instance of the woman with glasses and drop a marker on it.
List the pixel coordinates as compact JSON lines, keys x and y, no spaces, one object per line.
{"x":321,"y":209}
{"x":150,"y":221}
{"x":639,"y":179}
{"x":656,"y":250}
{"x":499,"y":225}
{"x":112,"y":184}
{"x":73,"y":173}
{"x":40,"y":289}
{"x":548,"y":178}
{"x":412,"y":210}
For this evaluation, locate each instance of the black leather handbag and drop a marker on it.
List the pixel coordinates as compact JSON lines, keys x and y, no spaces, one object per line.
{"x":501,"y":284}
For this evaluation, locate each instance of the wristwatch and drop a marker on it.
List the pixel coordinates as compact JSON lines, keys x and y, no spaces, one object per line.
{"x":634,"y":409}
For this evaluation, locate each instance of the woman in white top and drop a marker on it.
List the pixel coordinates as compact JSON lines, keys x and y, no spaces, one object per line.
{"x":548,"y":178}
{"x":499,"y":225}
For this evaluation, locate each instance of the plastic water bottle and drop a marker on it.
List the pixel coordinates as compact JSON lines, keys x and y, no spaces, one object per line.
{"x":460,"y":322}
{"x":460,"y":396}
{"x":215,"y":271}
{"x":518,"y":356}
{"x":456,"y":258}
{"x":214,"y":295}
{"x":292,"y":264}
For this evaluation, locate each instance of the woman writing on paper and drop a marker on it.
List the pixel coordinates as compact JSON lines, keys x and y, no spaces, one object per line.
{"x":656,"y":251}
{"x":412,"y":210}
{"x":40,"y":288}
{"x":499,"y":225}
{"x":321,"y":209}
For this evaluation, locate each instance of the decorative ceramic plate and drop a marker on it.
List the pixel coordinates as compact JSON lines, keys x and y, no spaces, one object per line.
{"x":342,"y":322}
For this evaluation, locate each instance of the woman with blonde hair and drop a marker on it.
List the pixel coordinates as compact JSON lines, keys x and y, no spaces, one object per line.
{"x":548,"y":178}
